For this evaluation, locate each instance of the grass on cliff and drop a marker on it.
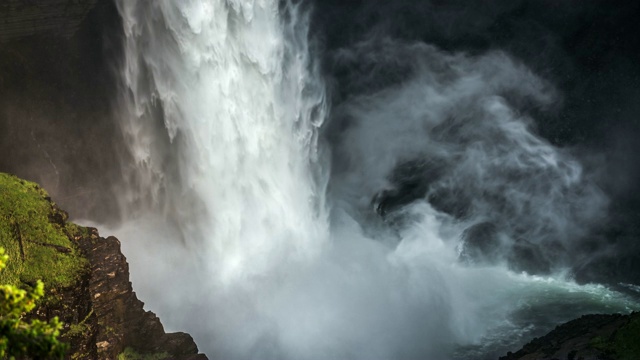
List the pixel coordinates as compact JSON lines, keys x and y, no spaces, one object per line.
{"x":131,"y":354}
{"x":36,"y":237}
{"x":624,"y":344}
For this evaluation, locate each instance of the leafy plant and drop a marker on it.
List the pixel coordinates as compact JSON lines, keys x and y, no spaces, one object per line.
{"x":18,"y":338}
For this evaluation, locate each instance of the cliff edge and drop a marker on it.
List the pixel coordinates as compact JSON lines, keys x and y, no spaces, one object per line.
{"x":590,"y":337}
{"x":86,"y":280}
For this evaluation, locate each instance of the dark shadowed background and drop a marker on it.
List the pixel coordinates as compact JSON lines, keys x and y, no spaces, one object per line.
{"x":590,"y":51}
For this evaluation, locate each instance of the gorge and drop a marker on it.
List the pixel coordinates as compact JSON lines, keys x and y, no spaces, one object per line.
{"x":348,"y":180}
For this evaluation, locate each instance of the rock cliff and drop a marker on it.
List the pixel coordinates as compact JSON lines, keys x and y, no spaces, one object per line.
{"x":591,"y":337}
{"x":86,"y":278}
{"x":19,"y":18}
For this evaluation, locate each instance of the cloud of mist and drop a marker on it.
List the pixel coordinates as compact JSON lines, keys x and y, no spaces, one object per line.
{"x":266,"y":264}
{"x":271,"y":276}
{"x":456,"y":124}
{"x":445,"y":160}
{"x":582,"y":48}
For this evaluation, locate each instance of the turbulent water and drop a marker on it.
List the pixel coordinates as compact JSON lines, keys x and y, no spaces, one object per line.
{"x":399,"y":224}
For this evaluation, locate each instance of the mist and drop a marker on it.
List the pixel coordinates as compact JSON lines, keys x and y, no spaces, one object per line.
{"x":456,"y":134}
{"x":403,"y":220}
{"x":583,"y":53}
{"x":362,"y":180}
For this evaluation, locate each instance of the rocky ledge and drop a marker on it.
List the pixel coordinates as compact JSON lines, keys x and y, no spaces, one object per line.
{"x":86,"y":281}
{"x":122,"y":321}
{"x":591,"y":337}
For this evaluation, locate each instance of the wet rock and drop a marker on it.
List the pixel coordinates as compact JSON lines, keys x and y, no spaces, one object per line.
{"x":54,"y":17}
{"x":410,"y":182}
{"x":590,"y":337}
{"x":480,"y":244}
{"x":527,"y":257}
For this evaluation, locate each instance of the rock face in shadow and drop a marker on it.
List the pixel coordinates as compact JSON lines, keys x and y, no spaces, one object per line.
{"x":19,"y":18}
{"x":591,"y":337}
{"x":480,"y":244}
{"x":121,"y":319}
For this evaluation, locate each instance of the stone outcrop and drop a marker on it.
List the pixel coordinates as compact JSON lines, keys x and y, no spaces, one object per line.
{"x":73,"y":306}
{"x":121,"y":319}
{"x":86,"y":281}
{"x":591,"y":337}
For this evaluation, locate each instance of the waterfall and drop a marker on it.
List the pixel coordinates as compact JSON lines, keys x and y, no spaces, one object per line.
{"x":226,"y":107}
{"x":269,"y":231}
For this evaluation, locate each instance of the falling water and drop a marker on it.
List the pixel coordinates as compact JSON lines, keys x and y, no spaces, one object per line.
{"x":270,"y":230}
{"x":240,"y":112}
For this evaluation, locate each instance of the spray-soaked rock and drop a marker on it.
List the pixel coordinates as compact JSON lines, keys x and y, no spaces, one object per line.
{"x":480,"y":244}
{"x":410,"y":182}
{"x":589,"y":337}
{"x":527,"y":257}
{"x":483,"y":243}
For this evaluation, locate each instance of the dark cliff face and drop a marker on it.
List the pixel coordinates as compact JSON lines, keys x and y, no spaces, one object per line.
{"x":86,"y":278}
{"x":56,"y":99}
{"x":20,"y":18}
{"x":609,"y":337}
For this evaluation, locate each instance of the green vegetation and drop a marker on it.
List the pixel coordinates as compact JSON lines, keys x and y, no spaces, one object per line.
{"x":624,"y":344}
{"x":79,"y":329}
{"x":627,"y":340}
{"x":41,"y":250}
{"x":130,"y":354}
{"x":36,"y":339}
{"x":37,"y":239}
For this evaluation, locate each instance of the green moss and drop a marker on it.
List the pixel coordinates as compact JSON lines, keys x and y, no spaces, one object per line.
{"x":79,"y":329}
{"x":35,"y":236}
{"x":76,"y":330}
{"x":626,"y":341}
{"x":130,"y":354}
{"x":78,"y":230}
{"x":599,"y":343}
{"x":107,"y":329}
{"x":623,"y":345}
